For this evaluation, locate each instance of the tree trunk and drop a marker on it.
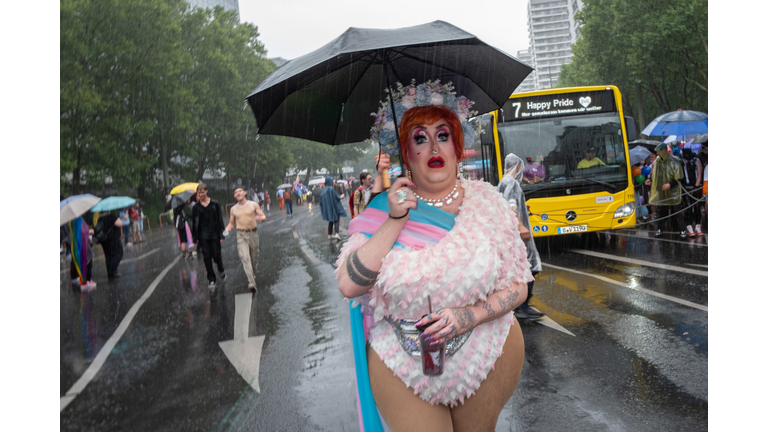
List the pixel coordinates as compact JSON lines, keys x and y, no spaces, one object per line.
{"x":309,"y":173}
{"x":164,"y":156}
{"x":640,"y":110}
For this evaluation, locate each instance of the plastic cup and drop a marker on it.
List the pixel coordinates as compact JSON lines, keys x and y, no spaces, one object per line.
{"x":432,"y":356}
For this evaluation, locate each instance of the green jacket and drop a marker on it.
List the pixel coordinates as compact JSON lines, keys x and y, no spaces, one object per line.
{"x":664,"y":171}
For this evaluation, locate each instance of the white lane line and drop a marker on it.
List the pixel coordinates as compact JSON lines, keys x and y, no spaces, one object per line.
{"x":651,"y":237}
{"x":698,"y":265}
{"x":295,"y":235}
{"x":129,"y":259}
{"x":101,"y":357}
{"x":309,"y":255}
{"x":640,"y":262}
{"x":626,"y":285}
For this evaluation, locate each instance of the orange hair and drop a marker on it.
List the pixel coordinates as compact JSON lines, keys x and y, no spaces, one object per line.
{"x":426,"y":115}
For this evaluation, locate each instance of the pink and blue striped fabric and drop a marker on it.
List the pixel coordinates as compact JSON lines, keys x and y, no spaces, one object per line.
{"x":426,"y":226}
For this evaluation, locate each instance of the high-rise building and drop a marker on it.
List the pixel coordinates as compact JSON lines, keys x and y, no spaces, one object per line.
{"x":529,"y":84}
{"x":552,"y":30}
{"x":210,"y":4}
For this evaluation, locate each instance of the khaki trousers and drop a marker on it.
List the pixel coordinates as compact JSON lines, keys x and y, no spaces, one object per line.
{"x":248,"y":249}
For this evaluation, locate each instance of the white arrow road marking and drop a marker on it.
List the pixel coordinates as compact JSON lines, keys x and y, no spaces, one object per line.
{"x":625,"y":285}
{"x":244,"y":352}
{"x":640,"y":262}
{"x":101,"y":357}
{"x":549,"y":322}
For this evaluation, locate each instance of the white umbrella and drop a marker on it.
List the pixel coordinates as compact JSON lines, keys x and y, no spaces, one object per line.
{"x":75,"y":206}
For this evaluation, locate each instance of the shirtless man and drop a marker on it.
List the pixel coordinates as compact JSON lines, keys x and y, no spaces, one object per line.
{"x":246,"y":213}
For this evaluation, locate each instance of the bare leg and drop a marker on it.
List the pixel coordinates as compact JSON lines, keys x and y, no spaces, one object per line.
{"x":481,"y":410}
{"x":400,"y":407}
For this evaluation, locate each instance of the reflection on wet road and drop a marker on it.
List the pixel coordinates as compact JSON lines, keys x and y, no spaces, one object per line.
{"x":626,"y":347}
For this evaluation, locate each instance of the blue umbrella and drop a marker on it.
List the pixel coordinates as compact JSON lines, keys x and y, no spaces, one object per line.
{"x":113,"y":203}
{"x":680,"y":122}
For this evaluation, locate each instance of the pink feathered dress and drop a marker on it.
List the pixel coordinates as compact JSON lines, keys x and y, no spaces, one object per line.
{"x":483,"y":253}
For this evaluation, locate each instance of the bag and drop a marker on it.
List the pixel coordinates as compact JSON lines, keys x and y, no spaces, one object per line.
{"x":99,"y":233}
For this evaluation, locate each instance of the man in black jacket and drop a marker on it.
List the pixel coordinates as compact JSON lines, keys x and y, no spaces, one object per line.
{"x":208,"y":232}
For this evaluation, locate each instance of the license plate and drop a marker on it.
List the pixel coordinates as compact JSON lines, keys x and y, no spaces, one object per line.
{"x":572,"y":229}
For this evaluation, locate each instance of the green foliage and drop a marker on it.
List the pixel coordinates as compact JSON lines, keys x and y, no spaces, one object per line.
{"x":655,"y":51}
{"x":152,"y":86}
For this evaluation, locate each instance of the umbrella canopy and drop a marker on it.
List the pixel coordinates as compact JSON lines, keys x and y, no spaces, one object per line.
{"x":179,"y":199}
{"x":648,"y":144}
{"x":638,"y":154}
{"x":113,"y":203}
{"x":680,"y":122}
{"x":75,"y":206}
{"x":700,"y":139}
{"x":183,"y":187}
{"x":285,"y":185}
{"x":328,"y":95}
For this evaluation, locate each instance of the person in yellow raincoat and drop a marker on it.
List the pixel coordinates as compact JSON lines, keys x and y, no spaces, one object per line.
{"x":666,"y":191}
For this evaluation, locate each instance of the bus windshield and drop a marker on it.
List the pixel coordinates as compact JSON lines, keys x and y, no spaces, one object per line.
{"x":571,"y":155}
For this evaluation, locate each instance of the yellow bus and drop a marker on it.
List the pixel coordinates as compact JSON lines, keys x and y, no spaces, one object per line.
{"x":574,"y":142}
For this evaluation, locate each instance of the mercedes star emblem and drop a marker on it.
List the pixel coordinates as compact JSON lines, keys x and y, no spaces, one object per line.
{"x":570,"y":216}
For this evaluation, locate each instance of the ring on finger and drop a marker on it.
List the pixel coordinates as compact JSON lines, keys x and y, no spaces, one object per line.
{"x":401,"y":196}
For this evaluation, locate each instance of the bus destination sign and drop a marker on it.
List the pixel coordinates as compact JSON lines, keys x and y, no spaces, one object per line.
{"x":560,"y":104}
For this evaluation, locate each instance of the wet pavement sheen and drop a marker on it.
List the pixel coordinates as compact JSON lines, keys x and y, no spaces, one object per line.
{"x":635,"y":362}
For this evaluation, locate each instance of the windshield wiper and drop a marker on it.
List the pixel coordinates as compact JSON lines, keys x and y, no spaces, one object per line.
{"x":610,"y":185}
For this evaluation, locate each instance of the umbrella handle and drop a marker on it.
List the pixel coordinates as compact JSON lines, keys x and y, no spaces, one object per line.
{"x":387,"y":182}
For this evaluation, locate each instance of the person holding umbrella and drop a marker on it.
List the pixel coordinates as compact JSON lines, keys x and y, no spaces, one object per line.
{"x":426,"y":254}
{"x":113,"y":249}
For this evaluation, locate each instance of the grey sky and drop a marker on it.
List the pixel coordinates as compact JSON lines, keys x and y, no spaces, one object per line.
{"x":292,"y":28}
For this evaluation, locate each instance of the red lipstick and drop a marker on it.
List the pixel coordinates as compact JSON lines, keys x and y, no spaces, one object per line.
{"x":436,"y":162}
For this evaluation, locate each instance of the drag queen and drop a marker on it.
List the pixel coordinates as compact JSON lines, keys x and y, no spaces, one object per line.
{"x":434,"y":241}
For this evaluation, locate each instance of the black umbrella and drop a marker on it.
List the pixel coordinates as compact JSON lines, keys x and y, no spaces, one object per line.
{"x":649,"y":144}
{"x":329,"y":94}
{"x":178,"y":199}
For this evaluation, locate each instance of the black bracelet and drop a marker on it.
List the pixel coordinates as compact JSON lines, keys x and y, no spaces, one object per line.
{"x":406,"y":214}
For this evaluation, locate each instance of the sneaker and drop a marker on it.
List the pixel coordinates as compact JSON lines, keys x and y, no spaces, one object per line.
{"x":683,"y":234}
{"x":698,"y":230}
{"x":211,"y":284}
{"x":223,"y":276}
{"x":251,"y":287}
{"x":653,"y":216}
{"x":689,"y":231}
{"x":658,"y":233}
{"x":336,"y":236}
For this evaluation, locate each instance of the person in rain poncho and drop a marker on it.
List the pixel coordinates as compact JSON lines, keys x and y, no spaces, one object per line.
{"x":666,"y":191}
{"x":331,"y":208}
{"x":510,"y":189}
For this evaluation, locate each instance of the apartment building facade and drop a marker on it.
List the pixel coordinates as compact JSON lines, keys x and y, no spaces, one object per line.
{"x":552,"y":30}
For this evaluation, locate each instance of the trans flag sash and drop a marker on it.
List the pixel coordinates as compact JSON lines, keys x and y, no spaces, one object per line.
{"x":425,"y":226}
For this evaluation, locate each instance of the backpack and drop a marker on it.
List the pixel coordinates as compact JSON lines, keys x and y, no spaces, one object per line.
{"x":352,"y":200}
{"x":100,"y":233}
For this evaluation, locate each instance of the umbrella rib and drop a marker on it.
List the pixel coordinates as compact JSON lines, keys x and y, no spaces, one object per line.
{"x":359,"y":78}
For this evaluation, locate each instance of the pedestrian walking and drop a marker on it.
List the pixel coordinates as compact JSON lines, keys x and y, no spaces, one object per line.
{"x":362,"y":194}
{"x":133,"y":215}
{"x":267,"y":199}
{"x":692,"y":213}
{"x":510,"y":189}
{"x":245,"y":214}
{"x":110,"y":225}
{"x":666,"y":191}
{"x":181,"y":218}
{"x":288,"y":202}
{"x":83,"y":243}
{"x":126,"y":226}
{"x":281,"y":198}
{"x":208,"y":232}
{"x":702,"y":166}
{"x":331,"y":208}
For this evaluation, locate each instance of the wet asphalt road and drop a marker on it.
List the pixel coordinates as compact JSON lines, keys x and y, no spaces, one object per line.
{"x":624,"y":348}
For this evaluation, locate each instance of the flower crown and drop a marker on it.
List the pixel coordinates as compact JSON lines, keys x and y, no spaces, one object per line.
{"x":429,"y":93}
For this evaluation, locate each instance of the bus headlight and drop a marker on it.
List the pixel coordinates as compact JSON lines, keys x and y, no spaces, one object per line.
{"x":625,"y":210}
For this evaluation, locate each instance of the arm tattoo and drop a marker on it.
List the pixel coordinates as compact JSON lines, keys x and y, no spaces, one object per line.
{"x":507,"y":299}
{"x":489,"y":309}
{"x":357,"y":279}
{"x":362,"y":269}
{"x":465,"y":318}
